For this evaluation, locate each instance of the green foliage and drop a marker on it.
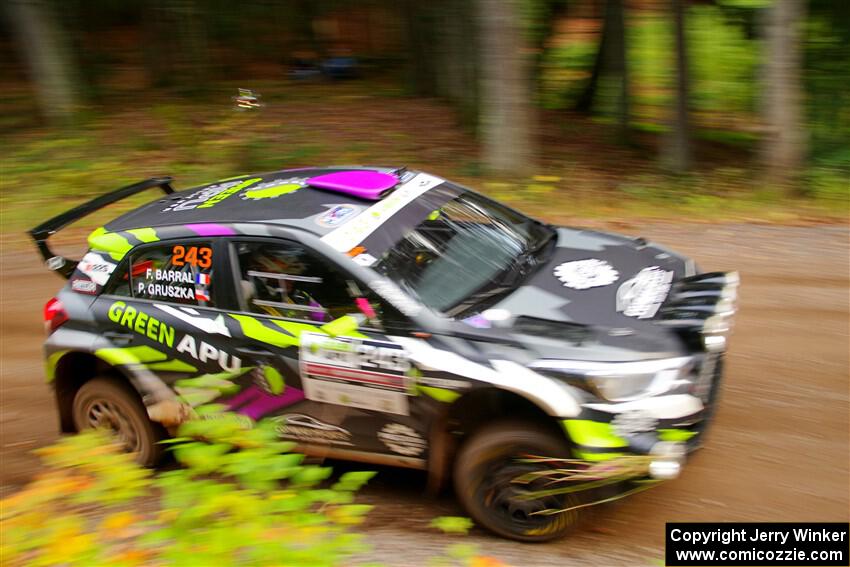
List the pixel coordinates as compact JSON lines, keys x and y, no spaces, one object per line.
{"x":240,"y":497}
{"x":565,"y":69}
{"x":724,"y":62}
{"x":452,"y":524}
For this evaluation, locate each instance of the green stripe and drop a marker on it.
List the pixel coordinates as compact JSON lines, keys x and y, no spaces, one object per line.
{"x":439,"y":394}
{"x":52,"y":362}
{"x":254,"y":329}
{"x":295,"y":329}
{"x":345,"y":326}
{"x":595,"y":457}
{"x":675,"y":435}
{"x":112,"y":242}
{"x":592,"y":433}
{"x":130,"y":355}
{"x":144,"y":234}
{"x":172,"y":366}
{"x":274,"y":379}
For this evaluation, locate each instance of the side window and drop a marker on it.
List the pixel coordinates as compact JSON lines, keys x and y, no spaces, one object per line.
{"x":173,"y":273}
{"x":285,"y":280}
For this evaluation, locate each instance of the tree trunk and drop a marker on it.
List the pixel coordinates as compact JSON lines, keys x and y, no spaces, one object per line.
{"x":677,"y":154}
{"x":43,"y":46}
{"x":784,"y":144}
{"x":619,"y":64}
{"x":505,"y":116}
{"x":588,"y":95}
{"x":422,"y":52}
{"x":611,"y":60}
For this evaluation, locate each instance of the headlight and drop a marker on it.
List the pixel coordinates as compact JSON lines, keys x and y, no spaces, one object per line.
{"x":620,"y":381}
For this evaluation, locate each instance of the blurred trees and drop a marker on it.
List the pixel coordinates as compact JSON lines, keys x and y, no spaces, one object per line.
{"x":768,"y":74}
{"x":677,"y":151}
{"x":784,"y":144}
{"x":42,"y":44}
{"x":505,"y":106}
{"x":611,"y":59}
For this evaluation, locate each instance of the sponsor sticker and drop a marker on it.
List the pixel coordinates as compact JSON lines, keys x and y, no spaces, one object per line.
{"x":353,"y":233}
{"x":585,"y":274}
{"x":630,"y":422}
{"x":337,"y":215}
{"x":642,"y":295}
{"x":84,"y":286}
{"x":308,"y":429}
{"x":402,"y":439}
{"x":365,"y":259}
{"x":210,"y":196}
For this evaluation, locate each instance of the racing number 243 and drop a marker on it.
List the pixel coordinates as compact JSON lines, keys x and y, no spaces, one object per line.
{"x":196,"y":256}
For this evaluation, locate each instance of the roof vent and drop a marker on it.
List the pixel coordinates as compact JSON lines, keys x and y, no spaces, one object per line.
{"x":371,"y":185}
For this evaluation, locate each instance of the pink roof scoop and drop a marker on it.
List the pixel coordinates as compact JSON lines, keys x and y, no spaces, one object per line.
{"x":364,"y":184}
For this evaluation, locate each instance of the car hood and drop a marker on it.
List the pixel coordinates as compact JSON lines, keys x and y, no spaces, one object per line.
{"x":597,"y":290}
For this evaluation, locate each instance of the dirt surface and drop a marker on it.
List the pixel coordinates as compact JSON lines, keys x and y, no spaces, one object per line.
{"x":779,"y":451}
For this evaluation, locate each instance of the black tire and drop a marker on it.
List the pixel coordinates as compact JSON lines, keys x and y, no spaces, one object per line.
{"x":484,"y":468}
{"x":107,"y":402}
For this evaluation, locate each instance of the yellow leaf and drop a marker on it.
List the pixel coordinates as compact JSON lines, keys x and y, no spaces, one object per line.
{"x":117,"y":524}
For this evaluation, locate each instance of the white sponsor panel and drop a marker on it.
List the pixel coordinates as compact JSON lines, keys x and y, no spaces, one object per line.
{"x":353,"y":372}
{"x":642,"y":295}
{"x":402,"y":439}
{"x":356,"y":230}
{"x":96,"y":268}
{"x":585,"y":274}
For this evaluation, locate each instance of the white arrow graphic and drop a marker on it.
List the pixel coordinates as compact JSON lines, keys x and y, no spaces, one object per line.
{"x":207,"y":325}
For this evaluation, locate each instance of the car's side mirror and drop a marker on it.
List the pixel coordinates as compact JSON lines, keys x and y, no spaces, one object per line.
{"x":345,"y":325}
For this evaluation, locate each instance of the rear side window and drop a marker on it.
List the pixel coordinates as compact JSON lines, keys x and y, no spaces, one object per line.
{"x":174,"y":273}
{"x":283,"y":279}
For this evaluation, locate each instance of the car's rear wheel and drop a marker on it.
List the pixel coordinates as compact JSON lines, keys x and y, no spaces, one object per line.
{"x":107,"y":403}
{"x":485,"y":469}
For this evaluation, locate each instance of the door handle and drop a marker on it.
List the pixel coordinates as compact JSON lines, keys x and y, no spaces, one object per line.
{"x":118,"y":337}
{"x":250,"y":351}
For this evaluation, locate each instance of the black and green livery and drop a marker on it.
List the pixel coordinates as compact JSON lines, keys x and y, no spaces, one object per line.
{"x":388,"y":316}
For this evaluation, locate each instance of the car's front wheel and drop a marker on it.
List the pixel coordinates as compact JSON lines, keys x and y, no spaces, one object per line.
{"x":107,"y":403}
{"x":484,"y":473}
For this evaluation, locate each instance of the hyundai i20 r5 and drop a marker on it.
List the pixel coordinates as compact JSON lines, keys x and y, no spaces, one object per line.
{"x":388,"y":316}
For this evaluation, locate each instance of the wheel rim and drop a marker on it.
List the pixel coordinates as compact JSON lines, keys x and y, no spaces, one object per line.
{"x":104,"y":414}
{"x":505,"y":498}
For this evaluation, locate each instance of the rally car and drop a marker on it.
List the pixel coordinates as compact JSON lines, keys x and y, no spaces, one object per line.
{"x":387,"y":316}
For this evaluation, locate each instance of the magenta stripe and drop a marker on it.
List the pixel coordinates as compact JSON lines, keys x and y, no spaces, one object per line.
{"x":210,"y":229}
{"x":261,"y":403}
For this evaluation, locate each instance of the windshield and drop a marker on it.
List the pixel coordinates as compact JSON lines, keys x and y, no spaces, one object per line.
{"x":469,"y":247}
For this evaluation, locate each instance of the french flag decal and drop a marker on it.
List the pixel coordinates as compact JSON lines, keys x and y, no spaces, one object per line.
{"x":202,"y":279}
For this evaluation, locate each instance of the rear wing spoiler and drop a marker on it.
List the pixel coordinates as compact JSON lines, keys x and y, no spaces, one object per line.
{"x":45,"y":230}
